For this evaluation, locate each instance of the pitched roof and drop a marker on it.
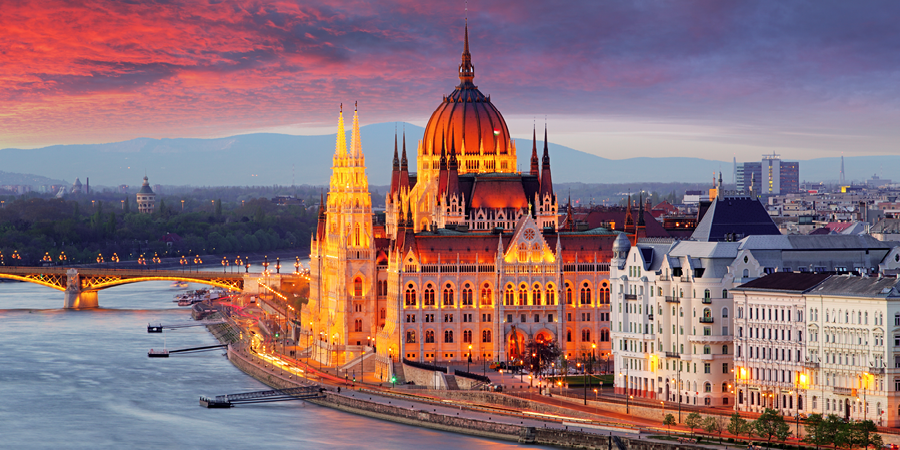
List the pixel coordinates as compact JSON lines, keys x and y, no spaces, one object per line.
{"x":785,"y":282}
{"x":854,"y":286}
{"x":742,"y":216}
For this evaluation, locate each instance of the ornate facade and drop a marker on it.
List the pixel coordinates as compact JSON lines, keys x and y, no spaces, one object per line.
{"x":471,"y":259}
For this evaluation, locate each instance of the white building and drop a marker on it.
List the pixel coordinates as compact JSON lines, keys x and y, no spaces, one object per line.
{"x":835,"y":325}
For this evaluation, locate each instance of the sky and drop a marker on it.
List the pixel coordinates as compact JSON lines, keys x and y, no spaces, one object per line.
{"x":708,"y":79}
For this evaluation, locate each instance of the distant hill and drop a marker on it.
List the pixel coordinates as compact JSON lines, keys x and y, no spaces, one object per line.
{"x":7,"y":178}
{"x":267,"y":159}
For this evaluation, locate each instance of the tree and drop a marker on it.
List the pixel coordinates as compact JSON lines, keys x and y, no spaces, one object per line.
{"x":737,"y":425}
{"x":668,"y":422}
{"x":814,"y":430}
{"x":539,"y":355}
{"x":830,"y":430}
{"x":782,"y":431}
{"x":721,"y":424}
{"x":766,"y":426}
{"x":710,"y":425}
{"x":862,"y":433}
{"x":694,"y":420}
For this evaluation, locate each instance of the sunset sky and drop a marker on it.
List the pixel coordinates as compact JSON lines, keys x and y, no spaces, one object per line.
{"x":709,"y":79}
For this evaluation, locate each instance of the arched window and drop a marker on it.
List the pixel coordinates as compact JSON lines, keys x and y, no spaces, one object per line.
{"x":448,"y":295}
{"x":585,"y":294}
{"x":467,"y":336}
{"x":568,"y":294}
{"x":724,"y":313}
{"x":536,"y":295}
{"x":746,"y":273}
{"x":604,"y":295}
{"x":429,"y":337}
{"x":706,"y":294}
{"x":586,"y":335}
{"x":410,"y":299}
{"x":467,"y":299}
{"x":357,"y":287}
{"x":604,"y":335}
{"x":486,"y":336}
{"x":568,"y":335}
{"x":707,"y":387}
{"x":429,"y":295}
{"x":410,"y":337}
{"x":536,"y":252}
{"x":448,"y":336}
{"x":523,"y":253}
{"x":356,"y":234}
{"x":551,"y":295}
{"x":724,"y":293}
{"x":357,"y":325}
{"x":486,"y":297}
{"x":509,"y":296}
{"x":523,"y":295}
{"x":724,"y":387}
{"x":707,"y":350}
{"x":707,"y":314}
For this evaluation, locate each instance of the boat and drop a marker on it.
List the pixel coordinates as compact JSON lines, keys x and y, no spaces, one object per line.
{"x":179,"y":284}
{"x":158,"y":353}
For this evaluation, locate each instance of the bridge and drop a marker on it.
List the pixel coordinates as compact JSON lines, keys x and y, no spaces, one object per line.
{"x":81,"y":284}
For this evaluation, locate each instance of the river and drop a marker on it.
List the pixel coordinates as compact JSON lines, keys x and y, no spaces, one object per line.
{"x":81,"y":379}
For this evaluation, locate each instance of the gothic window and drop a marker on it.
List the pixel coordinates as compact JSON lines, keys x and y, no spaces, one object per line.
{"x":604,"y":295}
{"x":410,"y":337}
{"x":467,"y":295}
{"x":585,"y":335}
{"x":357,"y":325}
{"x":486,"y":295}
{"x":536,"y":252}
{"x":356,"y":234}
{"x":536,"y":295}
{"x":551,"y":295}
{"x":382,"y":314}
{"x":448,"y":336}
{"x":585,"y":294}
{"x":523,"y":253}
{"x":604,"y":335}
{"x":357,"y":287}
{"x":467,"y":336}
{"x":410,"y":295}
{"x":429,"y":295}
{"x":568,"y":335}
{"x":568,"y":294}
{"x":486,"y":336}
{"x":429,"y":337}
{"x":509,"y":296}
{"x":523,"y":295}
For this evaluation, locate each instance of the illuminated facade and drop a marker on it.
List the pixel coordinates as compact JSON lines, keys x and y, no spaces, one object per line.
{"x":472,"y":258}
{"x":146,"y":198}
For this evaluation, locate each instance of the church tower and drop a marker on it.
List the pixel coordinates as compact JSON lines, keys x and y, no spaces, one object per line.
{"x":342,"y":299}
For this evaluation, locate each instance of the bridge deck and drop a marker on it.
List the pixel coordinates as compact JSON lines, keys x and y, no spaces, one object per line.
{"x":275,"y":395}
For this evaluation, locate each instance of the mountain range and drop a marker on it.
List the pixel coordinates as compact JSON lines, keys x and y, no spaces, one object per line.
{"x":281,"y":159}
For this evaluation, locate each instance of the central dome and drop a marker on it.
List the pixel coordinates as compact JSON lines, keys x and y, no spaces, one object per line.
{"x":467,"y":122}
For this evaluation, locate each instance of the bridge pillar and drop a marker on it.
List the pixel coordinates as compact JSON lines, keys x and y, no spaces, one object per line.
{"x":75,"y":297}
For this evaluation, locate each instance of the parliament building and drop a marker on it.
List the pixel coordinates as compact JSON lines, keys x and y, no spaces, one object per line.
{"x":473,"y":257}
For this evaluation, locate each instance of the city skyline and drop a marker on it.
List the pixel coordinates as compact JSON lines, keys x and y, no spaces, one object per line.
{"x":697,"y":79}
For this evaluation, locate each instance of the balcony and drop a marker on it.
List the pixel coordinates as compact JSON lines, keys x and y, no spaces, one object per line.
{"x":843,"y":391}
{"x":685,"y":279}
{"x":673,"y":355}
{"x":811,"y":365}
{"x":630,"y":296}
{"x":707,"y":301}
{"x":876,"y":370}
{"x":649,"y":316}
{"x":670,"y":299}
{"x":706,"y":320}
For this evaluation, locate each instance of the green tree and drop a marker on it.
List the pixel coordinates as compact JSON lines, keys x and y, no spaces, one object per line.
{"x":721,"y":425}
{"x":668,"y":422}
{"x":710,"y":425}
{"x":863,"y":432}
{"x":782,"y":431}
{"x":767,"y":424}
{"x":814,"y":427}
{"x":737,"y":425}
{"x":694,"y":420}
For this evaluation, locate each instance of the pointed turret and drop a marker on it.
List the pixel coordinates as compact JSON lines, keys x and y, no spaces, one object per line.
{"x":452,"y":175}
{"x":466,"y":69}
{"x":442,"y":175}
{"x":534,"y":158}
{"x":629,"y":218}
{"x":640,"y":221}
{"x":340,"y":147}
{"x":570,"y":217}
{"x":404,"y":168}
{"x":395,"y":169}
{"x":320,"y":226}
{"x":546,"y":178}
{"x":355,"y":144}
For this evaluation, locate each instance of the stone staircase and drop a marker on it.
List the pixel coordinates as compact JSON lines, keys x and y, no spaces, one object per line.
{"x":398,"y":372}
{"x":450,"y":381}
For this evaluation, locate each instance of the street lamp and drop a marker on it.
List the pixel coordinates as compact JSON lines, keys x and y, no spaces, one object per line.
{"x":100,"y":258}
{"x":247,"y":266}
{"x":297,"y":266}
{"x":277,"y":265}
{"x":114,"y":258}
{"x":265,"y":265}
{"x":224,"y":263}
{"x":156,"y":260}
{"x":469,"y":363}
{"x":182,"y":262}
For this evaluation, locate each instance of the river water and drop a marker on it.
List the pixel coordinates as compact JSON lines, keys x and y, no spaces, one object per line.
{"x":82,"y":379}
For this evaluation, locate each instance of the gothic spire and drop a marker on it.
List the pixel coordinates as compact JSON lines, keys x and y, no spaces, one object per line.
{"x":546,"y":178}
{"x":534,"y":158}
{"x":404,"y":165}
{"x":466,"y":69}
{"x":340,"y":148}
{"x":396,"y":165}
{"x":355,"y":145}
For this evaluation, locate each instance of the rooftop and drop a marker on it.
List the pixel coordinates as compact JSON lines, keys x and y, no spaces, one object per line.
{"x":785,"y":282}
